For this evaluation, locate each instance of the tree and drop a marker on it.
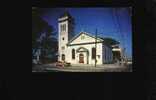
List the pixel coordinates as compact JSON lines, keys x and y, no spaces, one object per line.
{"x":48,"y":44}
{"x":42,"y":35}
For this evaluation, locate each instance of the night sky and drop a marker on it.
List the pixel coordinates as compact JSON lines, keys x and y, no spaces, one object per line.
{"x":109,"y":22}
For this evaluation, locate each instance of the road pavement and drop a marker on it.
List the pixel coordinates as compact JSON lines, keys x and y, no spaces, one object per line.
{"x":82,"y":68}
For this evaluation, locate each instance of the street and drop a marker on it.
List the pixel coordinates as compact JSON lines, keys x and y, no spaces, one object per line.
{"x":82,"y":68}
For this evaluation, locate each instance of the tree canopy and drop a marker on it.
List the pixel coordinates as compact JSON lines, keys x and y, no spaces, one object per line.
{"x":42,"y":35}
{"x":110,"y":41}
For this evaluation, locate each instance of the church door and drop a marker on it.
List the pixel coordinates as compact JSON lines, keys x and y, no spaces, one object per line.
{"x":81,"y":58}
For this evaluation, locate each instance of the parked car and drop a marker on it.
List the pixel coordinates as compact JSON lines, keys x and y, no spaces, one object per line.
{"x":59,"y":64}
{"x":67,"y":64}
{"x":63,"y":64}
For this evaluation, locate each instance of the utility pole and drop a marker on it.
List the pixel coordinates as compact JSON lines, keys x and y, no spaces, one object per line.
{"x":95,"y":46}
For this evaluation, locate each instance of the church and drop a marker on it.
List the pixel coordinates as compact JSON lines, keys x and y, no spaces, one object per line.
{"x":83,"y":48}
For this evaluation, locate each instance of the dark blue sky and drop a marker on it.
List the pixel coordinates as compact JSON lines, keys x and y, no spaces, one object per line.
{"x":110,"y":22}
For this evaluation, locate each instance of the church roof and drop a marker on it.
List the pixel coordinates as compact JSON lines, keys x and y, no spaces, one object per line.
{"x":80,"y":34}
{"x":110,"y":41}
{"x":106,"y":40}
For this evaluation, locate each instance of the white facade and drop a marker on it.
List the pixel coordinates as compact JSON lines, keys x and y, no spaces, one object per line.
{"x":78,"y":49}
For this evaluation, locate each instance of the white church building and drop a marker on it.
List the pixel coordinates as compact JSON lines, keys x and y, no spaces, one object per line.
{"x":81,"y":48}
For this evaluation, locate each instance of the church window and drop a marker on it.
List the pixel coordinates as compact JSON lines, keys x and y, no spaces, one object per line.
{"x":61,"y":28}
{"x":63,"y":57}
{"x":73,"y":53}
{"x":99,"y":56}
{"x":63,"y":48}
{"x":63,"y":38}
{"x":64,"y":27}
{"x":93,"y":53}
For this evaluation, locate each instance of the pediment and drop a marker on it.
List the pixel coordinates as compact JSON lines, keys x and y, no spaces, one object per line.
{"x":83,"y":37}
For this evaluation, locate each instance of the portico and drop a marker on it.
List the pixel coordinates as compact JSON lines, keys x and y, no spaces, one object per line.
{"x":82,"y":55}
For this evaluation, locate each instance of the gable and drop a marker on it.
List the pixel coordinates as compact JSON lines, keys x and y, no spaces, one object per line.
{"x":84,"y":38}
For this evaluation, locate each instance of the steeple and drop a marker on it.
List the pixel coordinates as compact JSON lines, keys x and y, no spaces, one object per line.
{"x":66,"y":31}
{"x":66,"y":14}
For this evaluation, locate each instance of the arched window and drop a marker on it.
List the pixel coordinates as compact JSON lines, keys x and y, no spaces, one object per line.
{"x":64,"y":27}
{"x":93,"y":53}
{"x":63,"y":47}
{"x":73,"y":53}
{"x":61,"y":28}
{"x":63,"y":57}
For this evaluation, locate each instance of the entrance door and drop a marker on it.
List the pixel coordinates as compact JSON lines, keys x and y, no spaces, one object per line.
{"x":81,"y":58}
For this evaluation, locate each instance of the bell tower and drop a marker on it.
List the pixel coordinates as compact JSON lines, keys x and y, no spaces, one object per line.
{"x":66,"y":32}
